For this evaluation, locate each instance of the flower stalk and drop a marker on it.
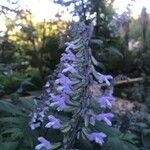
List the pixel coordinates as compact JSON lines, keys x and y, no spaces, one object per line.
{"x":70,"y":93}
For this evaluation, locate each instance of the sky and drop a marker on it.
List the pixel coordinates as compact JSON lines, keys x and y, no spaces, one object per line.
{"x":46,"y":9}
{"x":120,"y":6}
{"x":41,"y":9}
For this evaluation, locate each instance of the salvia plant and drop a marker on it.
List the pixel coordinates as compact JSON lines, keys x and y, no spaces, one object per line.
{"x":75,"y":98}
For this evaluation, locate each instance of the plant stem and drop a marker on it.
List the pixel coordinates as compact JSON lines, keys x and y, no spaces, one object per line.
{"x":84,"y":98}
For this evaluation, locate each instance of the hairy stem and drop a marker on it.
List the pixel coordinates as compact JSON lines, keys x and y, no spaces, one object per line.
{"x":84,"y":99}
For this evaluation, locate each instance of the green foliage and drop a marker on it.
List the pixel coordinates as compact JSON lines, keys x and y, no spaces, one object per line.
{"x":138,"y":92}
{"x":37,"y":42}
{"x":29,"y":54}
{"x":117,"y":140}
{"x":142,"y":128}
{"x":15,"y":131}
{"x":135,"y":32}
{"x":12,"y":81}
{"x":16,"y":134}
{"x":114,"y":51}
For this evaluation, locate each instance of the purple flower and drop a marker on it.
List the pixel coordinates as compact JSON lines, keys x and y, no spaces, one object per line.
{"x":69,"y":68}
{"x":92,"y":120}
{"x":97,"y":137}
{"x":47,"y":85}
{"x":53,"y":122}
{"x":59,"y":102}
{"x":63,"y":79}
{"x":48,"y":90}
{"x":64,"y":89}
{"x":105,"y":117}
{"x":105,"y":101}
{"x":55,"y":97}
{"x":65,"y":84}
{"x":44,"y":143}
{"x":37,"y":118}
{"x":41,"y":115}
{"x":35,"y":125}
{"x":69,"y":56}
{"x":69,"y":46}
{"x":34,"y":117}
{"x":104,"y":78}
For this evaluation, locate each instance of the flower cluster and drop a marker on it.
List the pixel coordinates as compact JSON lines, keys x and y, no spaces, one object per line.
{"x":70,"y":91}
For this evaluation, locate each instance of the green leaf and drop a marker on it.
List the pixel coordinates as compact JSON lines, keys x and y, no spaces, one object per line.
{"x":114,"y":51}
{"x":76,"y":41}
{"x":146,"y":141}
{"x":2,"y":146}
{"x":84,"y":144}
{"x":73,"y":103}
{"x":86,"y":121}
{"x":79,"y":54}
{"x":96,"y":41}
{"x":12,"y":130}
{"x":27,"y":82}
{"x":130,"y":146}
{"x":65,"y":128}
{"x":79,"y":46}
{"x":142,"y":125}
{"x":11,"y":120}
{"x":56,"y":145}
{"x":118,"y":143}
{"x":71,"y":108}
{"x":146,"y":131}
{"x":73,"y":82}
{"x":111,"y":132}
{"x":35,"y":93}
{"x":12,"y":133}
{"x":10,"y":108}
{"x":28,"y":104}
{"x":9,"y":145}
{"x":115,"y":143}
{"x":129,"y":137}
{"x":96,"y":63}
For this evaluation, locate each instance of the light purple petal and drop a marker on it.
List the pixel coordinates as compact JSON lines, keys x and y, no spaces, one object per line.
{"x":105,"y":117}
{"x":53,"y":122}
{"x":56,"y":97}
{"x":98,"y":137}
{"x":63,"y":79}
{"x":104,"y":78}
{"x":64,"y":89}
{"x":69,"y":56}
{"x":59,"y":104}
{"x":47,"y":84}
{"x":108,"y":122}
{"x":44,"y":143}
{"x":69,"y":68}
{"x":69,"y":45}
{"x":42,"y":114}
{"x":49,"y":125}
{"x":105,"y":101}
{"x":92,"y":120}
{"x":35,"y":125}
{"x":39,"y":146}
